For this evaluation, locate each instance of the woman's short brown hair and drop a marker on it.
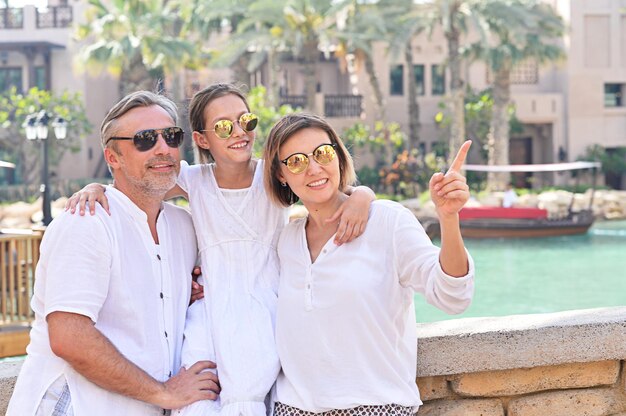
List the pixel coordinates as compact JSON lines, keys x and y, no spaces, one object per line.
{"x":198,"y":105}
{"x":280,"y":133}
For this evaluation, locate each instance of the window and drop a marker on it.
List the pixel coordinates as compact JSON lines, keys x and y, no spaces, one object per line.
{"x":10,"y":77}
{"x":396,"y":80}
{"x":613,"y":95}
{"x":418,"y":73}
{"x":438,"y":73}
{"x":40,"y":78}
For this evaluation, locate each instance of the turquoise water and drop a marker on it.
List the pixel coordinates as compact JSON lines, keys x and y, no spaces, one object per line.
{"x":521,"y":276}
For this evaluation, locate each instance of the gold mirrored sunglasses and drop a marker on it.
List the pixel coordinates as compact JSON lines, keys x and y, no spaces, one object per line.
{"x":298,"y":162}
{"x":224,"y":128}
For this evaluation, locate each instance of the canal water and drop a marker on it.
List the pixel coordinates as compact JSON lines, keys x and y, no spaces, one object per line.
{"x":522,"y":276}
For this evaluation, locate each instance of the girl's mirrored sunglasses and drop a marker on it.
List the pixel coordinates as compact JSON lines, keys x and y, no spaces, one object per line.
{"x":146,"y":139}
{"x":224,"y":128}
{"x":298,"y":162}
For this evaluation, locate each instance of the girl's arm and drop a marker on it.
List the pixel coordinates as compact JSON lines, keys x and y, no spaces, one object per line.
{"x":94,"y":192}
{"x":353,"y":214}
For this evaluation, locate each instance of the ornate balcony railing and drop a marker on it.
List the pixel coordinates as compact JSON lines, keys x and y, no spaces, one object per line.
{"x":11,"y":18}
{"x":54,"y":17}
{"x":343,"y":105}
{"x":296,"y":101}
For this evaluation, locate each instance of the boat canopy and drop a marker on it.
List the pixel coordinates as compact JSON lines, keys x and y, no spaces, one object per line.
{"x":6,"y":165}
{"x":548,"y":167}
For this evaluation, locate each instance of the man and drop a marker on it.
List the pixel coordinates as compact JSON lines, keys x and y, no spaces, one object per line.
{"x":111,"y":291}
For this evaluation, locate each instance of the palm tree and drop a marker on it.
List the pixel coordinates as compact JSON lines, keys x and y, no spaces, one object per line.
{"x":521,"y":30}
{"x":356,"y":30}
{"x":456,"y":18}
{"x":406,"y":20}
{"x":140,"y":41}
{"x":272,"y":30}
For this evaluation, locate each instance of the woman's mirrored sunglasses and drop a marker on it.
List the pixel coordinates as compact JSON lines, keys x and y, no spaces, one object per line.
{"x":146,"y":139}
{"x":298,"y":162}
{"x":224,"y":128}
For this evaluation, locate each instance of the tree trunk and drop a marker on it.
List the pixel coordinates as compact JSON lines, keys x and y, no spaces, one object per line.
{"x":240,"y":70}
{"x":310,"y":57}
{"x":414,"y":111}
{"x":375,"y":84}
{"x":498,"y":138}
{"x":135,"y":76}
{"x":273,"y":98}
{"x":457,"y":95}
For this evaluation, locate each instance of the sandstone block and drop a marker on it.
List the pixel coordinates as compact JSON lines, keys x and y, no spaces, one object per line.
{"x":432,"y":388}
{"x":462,"y":408}
{"x":590,"y":402}
{"x":527,"y":380}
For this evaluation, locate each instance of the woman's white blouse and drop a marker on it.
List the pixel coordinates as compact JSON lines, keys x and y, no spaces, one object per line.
{"x":345,"y":324}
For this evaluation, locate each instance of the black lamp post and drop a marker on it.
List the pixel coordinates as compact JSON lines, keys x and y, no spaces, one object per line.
{"x":36,"y":126}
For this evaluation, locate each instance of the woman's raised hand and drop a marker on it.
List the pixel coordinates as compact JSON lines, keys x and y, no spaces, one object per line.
{"x":449,"y":191}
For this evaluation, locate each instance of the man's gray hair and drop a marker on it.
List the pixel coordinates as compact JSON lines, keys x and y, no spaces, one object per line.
{"x":134,"y":100}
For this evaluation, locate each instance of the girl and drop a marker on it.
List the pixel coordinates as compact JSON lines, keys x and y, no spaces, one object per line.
{"x":237,"y":228}
{"x":345,"y":324}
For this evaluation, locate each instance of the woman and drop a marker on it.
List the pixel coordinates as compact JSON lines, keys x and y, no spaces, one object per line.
{"x":345,"y":323}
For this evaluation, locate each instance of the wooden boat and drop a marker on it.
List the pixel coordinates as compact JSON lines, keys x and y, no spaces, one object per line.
{"x":518,"y":222}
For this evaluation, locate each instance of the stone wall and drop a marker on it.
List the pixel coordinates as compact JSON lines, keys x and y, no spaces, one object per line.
{"x":560,"y":364}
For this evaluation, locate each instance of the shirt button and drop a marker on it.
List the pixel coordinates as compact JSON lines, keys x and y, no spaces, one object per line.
{"x":159,"y":256}
{"x":324,"y":251}
{"x":308,"y":286}
{"x":165,"y":334}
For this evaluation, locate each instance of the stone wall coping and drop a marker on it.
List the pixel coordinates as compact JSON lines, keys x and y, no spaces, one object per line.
{"x":470,"y":345}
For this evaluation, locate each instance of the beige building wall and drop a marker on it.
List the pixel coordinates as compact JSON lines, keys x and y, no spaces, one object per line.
{"x":539,"y":100}
{"x":99,"y":92}
{"x":597,"y":56}
{"x":562,"y":105}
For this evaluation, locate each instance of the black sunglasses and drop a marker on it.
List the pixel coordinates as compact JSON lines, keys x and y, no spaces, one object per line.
{"x":145,"y":140}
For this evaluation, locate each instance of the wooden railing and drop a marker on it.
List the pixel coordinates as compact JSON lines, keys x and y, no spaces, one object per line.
{"x":19,"y":254}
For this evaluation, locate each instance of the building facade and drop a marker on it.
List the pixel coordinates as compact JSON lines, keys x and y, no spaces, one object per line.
{"x":37,"y":50}
{"x":564,"y":107}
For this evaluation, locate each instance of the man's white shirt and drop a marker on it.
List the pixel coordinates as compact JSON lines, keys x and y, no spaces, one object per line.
{"x":109,"y":269}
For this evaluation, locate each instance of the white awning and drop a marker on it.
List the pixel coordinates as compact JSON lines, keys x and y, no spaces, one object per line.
{"x":549,"y":167}
{"x":7,"y":165}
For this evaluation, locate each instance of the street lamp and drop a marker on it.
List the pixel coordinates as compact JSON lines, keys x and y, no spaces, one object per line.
{"x":36,"y":127}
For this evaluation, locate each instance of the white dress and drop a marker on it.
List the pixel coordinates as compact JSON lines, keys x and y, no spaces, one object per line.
{"x":234,"y":324}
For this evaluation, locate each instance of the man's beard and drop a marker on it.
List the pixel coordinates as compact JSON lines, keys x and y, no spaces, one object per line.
{"x":153,"y":183}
